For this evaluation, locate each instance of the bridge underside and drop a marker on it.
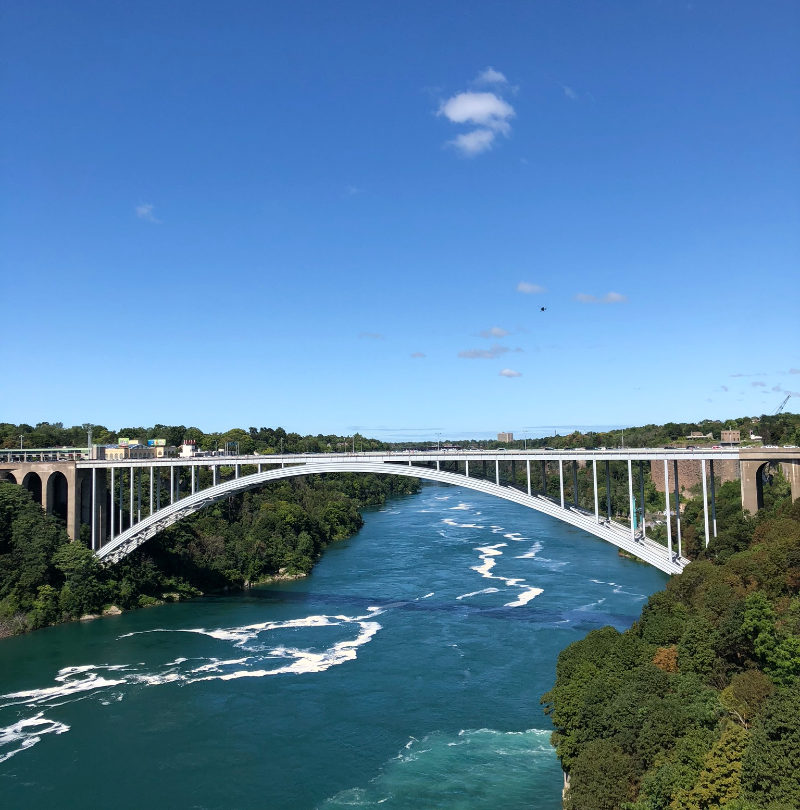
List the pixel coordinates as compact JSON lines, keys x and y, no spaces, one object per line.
{"x":614,"y":533}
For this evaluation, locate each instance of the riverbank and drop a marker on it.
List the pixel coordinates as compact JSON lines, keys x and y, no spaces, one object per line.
{"x":273,"y":535}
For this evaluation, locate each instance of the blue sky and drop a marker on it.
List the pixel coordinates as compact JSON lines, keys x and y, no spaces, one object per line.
{"x":338,"y":216}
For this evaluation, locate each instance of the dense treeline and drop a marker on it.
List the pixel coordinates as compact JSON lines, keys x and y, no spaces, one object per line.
{"x":278,"y":530}
{"x":698,"y":704}
{"x":783,"y":428}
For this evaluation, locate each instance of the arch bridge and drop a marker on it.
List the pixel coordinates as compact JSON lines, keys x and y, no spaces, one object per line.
{"x":126,"y":502}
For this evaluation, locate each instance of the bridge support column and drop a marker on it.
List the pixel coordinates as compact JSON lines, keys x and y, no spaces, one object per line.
{"x":497,"y":471}
{"x":528,"y":473}
{"x":130,"y":502}
{"x":214,"y":469}
{"x":713,"y":498}
{"x":544,"y":478}
{"x":121,"y":497}
{"x":466,"y":467}
{"x":752,"y":487}
{"x":437,"y":464}
{"x":677,"y":506}
{"x":113,"y":506}
{"x":561,"y":480}
{"x":158,"y":489}
{"x":705,"y":497}
{"x":172,"y":485}
{"x":608,"y":489}
{"x":513,"y":473}
{"x":575,"y":483}
{"x":237,"y":470}
{"x":641,"y":494}
{"x":596,"y":500}
{"x":151,"y":491}
{"x":630,"y":501}
{"x":94,"y":508}
{"x":193,"y":468}
{"x":791,"y":469}
{"x":666,"y":511}
{"x":138,"y":494}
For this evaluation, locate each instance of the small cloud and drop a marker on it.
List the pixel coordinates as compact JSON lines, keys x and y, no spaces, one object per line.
{"x":794,"y":371}
{"x":608,"y":298}
{"x":725,"y":388}
{"x":757,"y":374}
{"x":351,"y":191}
{"x":490,"y":76}
{"x":418,"y":355}
{"x":487,"y":112}
{"x":614,"y":298}
{"x":370,"y":336}
{"x":145,"y":212}
{"x":569,"y":92}
{"x":509,"y":372}
{"x":473,"y":143}
{"x":529,"y":289}
{"x":483,"y":109}
{"x":777,"y":388}
{"x":758,"y":384}
{"x":494,"y":332}
{"x":484,"y":354}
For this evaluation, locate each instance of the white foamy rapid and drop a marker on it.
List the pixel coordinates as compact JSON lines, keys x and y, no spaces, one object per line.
{"x":26,"y":733}
{"x":108,"y":682}
{"x":478,"y":593}
{"x":451,"y":522}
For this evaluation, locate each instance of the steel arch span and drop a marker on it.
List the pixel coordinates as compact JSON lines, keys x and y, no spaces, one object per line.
{"x":617,"y":534}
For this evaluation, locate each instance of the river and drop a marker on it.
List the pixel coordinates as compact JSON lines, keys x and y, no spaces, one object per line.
{"x":405,"y":672}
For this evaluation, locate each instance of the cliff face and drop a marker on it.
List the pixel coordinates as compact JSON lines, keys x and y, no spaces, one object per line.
{"x":690,"y":473}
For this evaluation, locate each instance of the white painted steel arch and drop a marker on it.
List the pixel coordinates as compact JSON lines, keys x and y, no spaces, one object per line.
{"x":614,"y":533}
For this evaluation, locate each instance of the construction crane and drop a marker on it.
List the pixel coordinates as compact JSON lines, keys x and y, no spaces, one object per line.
{"x":782,"y":405}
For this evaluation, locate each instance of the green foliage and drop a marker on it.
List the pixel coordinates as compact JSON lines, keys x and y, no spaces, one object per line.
{"x":278,"y":530}
{"x":718,"y":726}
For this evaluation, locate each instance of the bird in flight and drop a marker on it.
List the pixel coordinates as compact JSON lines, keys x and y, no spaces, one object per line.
{"x":542,"y":309}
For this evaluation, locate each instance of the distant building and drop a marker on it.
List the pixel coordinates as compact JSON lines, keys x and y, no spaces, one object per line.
{"x":730,"y":437}
{"x":696,"y":434}
{"x":132,"y":448}
{"x":505,"y":437}
{"x":188,"y":448}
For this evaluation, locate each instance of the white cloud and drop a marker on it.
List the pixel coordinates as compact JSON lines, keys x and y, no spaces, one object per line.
{"x":569,"y":92}
{"x":484,"y":354}
{"x":473,"y":143}
{"x":528,"y":288}
{"x":494,"y":332}
{"x":614,"y":298}
{"x":418,"y":355}
{"x":486,"y":112}
{"x":509,"y":372}
{"x":370,"y":335}
{"x":608,"y":298}
{"x":490,"y":76}
{"x":351,"y":191}
{"x":484,"y":109}
{"x":145,"y":212}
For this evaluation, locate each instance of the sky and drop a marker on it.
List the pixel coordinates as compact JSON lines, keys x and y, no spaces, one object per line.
{"x":403,"y":219}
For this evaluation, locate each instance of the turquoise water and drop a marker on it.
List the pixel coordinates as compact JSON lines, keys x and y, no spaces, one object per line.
{"x":404,"y":673}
